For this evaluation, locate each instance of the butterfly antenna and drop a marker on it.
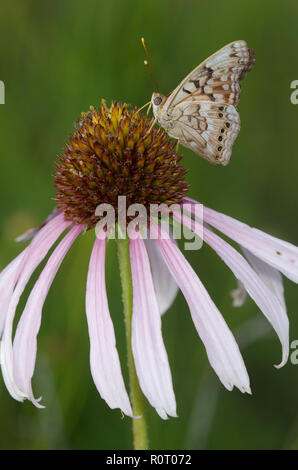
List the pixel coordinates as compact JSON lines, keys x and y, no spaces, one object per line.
{"x":149,"y":64}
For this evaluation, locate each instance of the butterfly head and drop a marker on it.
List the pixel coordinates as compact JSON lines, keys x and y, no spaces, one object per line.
{"x":157,"y":101}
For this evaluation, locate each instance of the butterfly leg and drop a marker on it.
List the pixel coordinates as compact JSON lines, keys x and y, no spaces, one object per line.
{"x":151,"y":127}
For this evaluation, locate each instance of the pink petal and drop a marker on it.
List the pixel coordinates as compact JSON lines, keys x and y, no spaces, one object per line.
{"x":29,"y":234}
{"x":259,"y":291}
{"x":165,"y":287}
{"x":104,"y":359}
{"x":25,"y":342}
{"x":270,"y":276}
{"x":149,"y":352}
{"x":279,"y":254}
{"x":35,"y":253}
{"x":8,"y":278}
{"x":220,"y":344}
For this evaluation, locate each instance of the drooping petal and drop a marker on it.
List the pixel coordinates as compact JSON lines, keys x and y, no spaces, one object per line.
{"x":220,"y":344}
{"x":269,"y":275}
{"x":25,"y":341}
{"x":264,"y":297}
{"x":8,"y":278}
{"x":35,"y":253}
{"x":281,"y":255}
{"x":259,"y":291}
{"x":29,"y":234}
{"x":104,"y":359}
{"x":165,"y":287}
{"x":148,"y":348}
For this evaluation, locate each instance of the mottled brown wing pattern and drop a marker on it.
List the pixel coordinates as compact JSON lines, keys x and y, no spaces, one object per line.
{"x":201,"y":112}
{"x":208,"y":129}
{"x":218,"y":78}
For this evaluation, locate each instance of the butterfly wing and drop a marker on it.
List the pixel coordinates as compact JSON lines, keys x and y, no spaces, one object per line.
{"x":217,"y":79}
{"x":207,"y":128}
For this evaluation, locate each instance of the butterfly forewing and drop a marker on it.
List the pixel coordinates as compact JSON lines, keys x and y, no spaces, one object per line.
{"x":218,"y":78}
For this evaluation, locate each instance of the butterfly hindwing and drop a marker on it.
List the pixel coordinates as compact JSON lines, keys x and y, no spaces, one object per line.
{"x":209,"y":129}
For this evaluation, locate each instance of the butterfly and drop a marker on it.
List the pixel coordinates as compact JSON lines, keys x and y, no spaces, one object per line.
{"x":201,"y":112}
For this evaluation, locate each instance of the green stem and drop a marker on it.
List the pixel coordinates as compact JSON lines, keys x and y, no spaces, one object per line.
{"x":139,"y":427}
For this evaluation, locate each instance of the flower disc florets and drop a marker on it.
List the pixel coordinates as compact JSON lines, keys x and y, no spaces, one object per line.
{"x":116,"y":152}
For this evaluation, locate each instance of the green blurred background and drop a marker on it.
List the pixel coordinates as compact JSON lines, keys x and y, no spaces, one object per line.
{"x":56,"y":59}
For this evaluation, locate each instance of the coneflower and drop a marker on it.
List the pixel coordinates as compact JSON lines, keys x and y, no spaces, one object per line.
{"x":114,"y":152}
